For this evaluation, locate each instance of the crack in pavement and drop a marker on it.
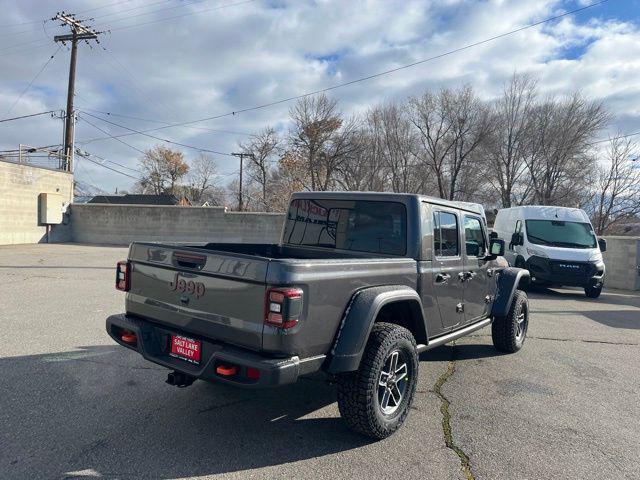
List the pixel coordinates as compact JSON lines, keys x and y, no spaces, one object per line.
{"x":577,"y":340}
{"x":465,"y":463}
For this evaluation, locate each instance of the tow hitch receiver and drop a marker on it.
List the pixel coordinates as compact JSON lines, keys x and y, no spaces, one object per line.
{"x":179,"y":379}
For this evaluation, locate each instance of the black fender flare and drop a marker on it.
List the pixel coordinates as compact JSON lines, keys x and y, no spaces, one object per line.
{"x":508,"y":281}
{"x":358,"y":319}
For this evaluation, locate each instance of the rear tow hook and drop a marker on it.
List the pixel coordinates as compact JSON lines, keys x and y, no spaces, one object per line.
{"x":179,"y":379}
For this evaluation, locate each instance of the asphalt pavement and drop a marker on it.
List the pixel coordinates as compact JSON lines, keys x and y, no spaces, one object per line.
{"x":75,"y":405}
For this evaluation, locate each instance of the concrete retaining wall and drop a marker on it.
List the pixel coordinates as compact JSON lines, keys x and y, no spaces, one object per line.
{"x":622,"y":260}
{"x":20,"y":186}
{"x":122,"y":224}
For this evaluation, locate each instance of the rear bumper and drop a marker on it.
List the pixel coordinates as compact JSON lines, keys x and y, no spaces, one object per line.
{"x":558,"y":272}
{"x":153,"y":344}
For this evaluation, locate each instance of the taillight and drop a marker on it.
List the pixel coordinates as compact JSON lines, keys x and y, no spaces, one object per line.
{"x":123,"y":276}
{"x":283,"y":307}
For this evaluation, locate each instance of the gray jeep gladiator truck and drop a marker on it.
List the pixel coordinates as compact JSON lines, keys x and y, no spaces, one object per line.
{"x":359,"y":285}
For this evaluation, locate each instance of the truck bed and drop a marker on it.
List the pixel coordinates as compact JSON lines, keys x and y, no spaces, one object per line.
{"x":223,"y":294}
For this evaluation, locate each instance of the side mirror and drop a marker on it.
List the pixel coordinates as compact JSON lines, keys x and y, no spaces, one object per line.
{"x":517,"y":239}
{"x":602,"y":243}
{"x":496,"y":249}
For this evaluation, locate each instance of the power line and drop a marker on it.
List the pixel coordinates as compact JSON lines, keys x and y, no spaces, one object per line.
{"x":614,"y":138}
{"x":151,"y":12}
{"x":181,"y":15}
{"x":31,"y":82}
{"x":109,"y":135}
{"x":140,"y":132}
{"x":383,"y":73}
{"x":118,"y":3}
{"x":112,"y":169}
{"x":136,"y":84}
{"x":30,"y":42}
{"x":38,"y":47}
{"x":113,"y":114}
{"x":84,"y":154}
{"x":27,"y":116}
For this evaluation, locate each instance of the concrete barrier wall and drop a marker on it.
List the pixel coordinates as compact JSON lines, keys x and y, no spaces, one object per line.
{"x":20,"y":186}
{"x":622,"y":260}
{"x":122,"y":224}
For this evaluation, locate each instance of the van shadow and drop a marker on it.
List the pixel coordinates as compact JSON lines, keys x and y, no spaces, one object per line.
{"x":104,"y":411}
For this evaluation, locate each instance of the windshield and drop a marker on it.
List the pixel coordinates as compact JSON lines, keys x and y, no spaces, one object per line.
{"x":559,"y":233}
{"x":363,"y":226}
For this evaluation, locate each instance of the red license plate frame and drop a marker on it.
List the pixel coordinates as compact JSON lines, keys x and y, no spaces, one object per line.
{"x":185,"y":348}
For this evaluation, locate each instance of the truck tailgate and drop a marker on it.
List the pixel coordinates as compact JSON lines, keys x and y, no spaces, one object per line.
{"x":199,"y":292}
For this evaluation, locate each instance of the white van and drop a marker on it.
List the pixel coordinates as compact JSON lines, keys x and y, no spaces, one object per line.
{"x":556,"y":244}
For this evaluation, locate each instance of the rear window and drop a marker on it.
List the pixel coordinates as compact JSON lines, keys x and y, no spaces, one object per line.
{"x":358,"y":225}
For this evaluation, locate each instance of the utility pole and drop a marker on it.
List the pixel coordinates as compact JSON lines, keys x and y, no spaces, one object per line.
{"x":78,"y":32}
{"x":241,"y":156}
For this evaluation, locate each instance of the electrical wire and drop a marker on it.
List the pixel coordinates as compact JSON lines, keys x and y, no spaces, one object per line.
{"x":151,"y":12}
{"x":140,"y":132}
{"x":109,"y":135}
{"x":31,"y":82}
{"x":617,"y":137}
{"x":135,"y":83}
{"x":24,"y":50}
{"x":382,"y":73}
{"x":112,"y":169}
{"x":142,"y":119}
{"x":26,"y":116}
{"x":180,"y":16}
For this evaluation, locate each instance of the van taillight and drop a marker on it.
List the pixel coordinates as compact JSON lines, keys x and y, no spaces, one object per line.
{"x":283,"y":307}
{"x":123,"y":276}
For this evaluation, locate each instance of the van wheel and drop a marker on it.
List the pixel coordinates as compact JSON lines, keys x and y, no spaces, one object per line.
{"x":375,"y":399}
{"x":509,"y":332}
{"x":592,"y":291}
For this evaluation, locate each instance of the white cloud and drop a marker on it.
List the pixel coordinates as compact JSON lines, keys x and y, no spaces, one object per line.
{"x":228,"y":59}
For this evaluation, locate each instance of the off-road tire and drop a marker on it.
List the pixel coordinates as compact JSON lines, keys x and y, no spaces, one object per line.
{"x":593,"y":292}
{"x":504,"y":330}
{"x":358,"y":392}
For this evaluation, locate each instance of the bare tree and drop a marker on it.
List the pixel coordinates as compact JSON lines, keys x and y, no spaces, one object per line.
{"x":202,"y":176}
{"x":507,"y":147}
{"x":451,"y":125}
{"x":162,"y":169}
{"x":363,"y":170}
{"x":617,"y":195}
{"x":321,"y":138}
{"x":262,"y":150}
{"x":395,"y":146}
{"x":558,"y":159}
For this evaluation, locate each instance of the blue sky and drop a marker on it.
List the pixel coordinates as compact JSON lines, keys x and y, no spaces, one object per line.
{"x":223,"y":55}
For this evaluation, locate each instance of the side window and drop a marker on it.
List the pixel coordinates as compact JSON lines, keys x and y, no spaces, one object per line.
{"x":445,"y":235}
{"x":475,"y":244}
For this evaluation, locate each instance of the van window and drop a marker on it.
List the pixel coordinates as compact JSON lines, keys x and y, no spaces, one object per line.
{"x":560,"y":233}
{"x":358,"y":225}
{"x":474,"y":237}
{"x":445,"y":235}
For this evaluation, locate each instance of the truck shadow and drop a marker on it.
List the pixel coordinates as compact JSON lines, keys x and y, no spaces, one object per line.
{"x":103,"y":411}
{"x":466,"y":351}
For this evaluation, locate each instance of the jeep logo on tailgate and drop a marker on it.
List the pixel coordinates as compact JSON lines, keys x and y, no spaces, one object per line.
{"x":190,"y":287}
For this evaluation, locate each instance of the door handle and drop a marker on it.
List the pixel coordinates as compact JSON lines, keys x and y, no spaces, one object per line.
{"x":442,"y":278}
